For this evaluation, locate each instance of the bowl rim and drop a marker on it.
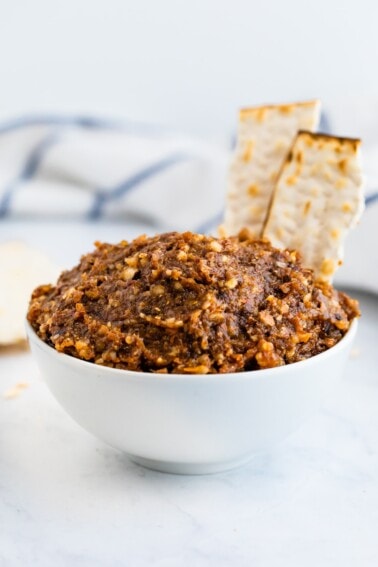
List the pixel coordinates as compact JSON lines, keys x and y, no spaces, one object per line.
{"x":243,"y":374}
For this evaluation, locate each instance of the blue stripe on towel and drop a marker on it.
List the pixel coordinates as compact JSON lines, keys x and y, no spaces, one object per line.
{"x":324,"y":124}
{"x":211,"y":223}
{"x":31,"y":164}
{"x":372,"y":198}
{"x":82,"y":121}
{"x":104,"y":196}
{"x":58,"y":124}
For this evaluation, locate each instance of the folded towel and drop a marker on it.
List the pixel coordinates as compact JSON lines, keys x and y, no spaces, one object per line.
{"x":87,"y":168}
{"x":84,"y":168}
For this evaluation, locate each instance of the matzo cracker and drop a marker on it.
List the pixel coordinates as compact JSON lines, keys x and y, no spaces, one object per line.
{"x":265,"y":136}
{"x":318,"y":198}
{"x":21,"y":269}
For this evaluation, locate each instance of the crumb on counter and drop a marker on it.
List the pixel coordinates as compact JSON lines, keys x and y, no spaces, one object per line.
{"x":15,"y":391}
{"x":355,"y":352}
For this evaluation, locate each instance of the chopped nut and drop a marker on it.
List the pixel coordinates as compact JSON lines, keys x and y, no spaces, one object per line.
{"x":174,"y":322}
{"x":266,"y":318}
{"x":216,"y":317}
{"x":200,"y":369}
{"x":128,"y":273}
{"x":266,"y":346}
{"x":342,"y":325}
{"x":284,"y":308}
{"x":303,"y":337}
{"x":285,"y":288}
{"x":215,"y":246}
{"x":84,"y":350}
{"x":231,"y":283}
{"x":132,"y":261}
{"x":158,"y":290}
{"x":142,"y":259}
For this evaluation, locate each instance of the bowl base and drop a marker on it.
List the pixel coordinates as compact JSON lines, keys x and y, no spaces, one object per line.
{"x":189,"y":468}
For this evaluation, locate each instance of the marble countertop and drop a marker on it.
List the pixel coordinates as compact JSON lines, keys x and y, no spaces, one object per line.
{"x":67,"y":499}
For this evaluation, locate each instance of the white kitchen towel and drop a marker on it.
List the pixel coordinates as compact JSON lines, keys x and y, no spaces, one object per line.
{"x":91,"y":169}
{"x":78,"y":167}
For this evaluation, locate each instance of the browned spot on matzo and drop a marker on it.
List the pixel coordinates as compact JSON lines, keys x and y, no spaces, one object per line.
{"x":265,"y":136}
{"x":328,"y":212}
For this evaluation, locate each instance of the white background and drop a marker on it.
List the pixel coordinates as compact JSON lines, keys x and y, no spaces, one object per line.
{"x":187,"y":64}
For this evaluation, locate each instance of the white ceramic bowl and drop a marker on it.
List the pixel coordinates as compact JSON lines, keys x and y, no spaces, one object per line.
{"x":191,"y":424}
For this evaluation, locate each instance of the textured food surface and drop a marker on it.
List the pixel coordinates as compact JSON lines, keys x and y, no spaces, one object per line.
{"x":188,"y":303}
{"x":317,"y":200}
{"x":265,"y":135}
